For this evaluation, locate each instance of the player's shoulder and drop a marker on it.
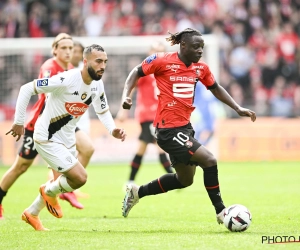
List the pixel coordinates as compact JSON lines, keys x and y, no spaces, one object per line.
{"x":69,"y":77}
{"x":97,"y":86}
{"x":170,"y":58}
{"x":47,"y":69}
{"x":49,"y":64}
{"x":165,"y":56}
{"x":50,"y":68}
{"x":159,"y":56}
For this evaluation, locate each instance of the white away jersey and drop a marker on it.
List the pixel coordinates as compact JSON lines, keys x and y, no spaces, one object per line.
{"x":68,"y":100}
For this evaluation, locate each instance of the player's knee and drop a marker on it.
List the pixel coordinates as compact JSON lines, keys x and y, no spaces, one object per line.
{"x":82,"y":179}
{"x":211,"y":161}
{"x":87,"y":151}
{"x":186,"y":180}
{"x":21,"y":168}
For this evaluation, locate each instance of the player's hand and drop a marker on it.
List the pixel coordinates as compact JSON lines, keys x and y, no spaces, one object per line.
{"x":16,"y":130}
{"x":119,"y":133}
{"x":246,"y":112}
{"x":127,"y":103}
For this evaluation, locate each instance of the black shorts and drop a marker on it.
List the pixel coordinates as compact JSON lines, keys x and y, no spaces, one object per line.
{"x":179,"y":143}
{"x":27,"y":149}
{"x":147,"y":133}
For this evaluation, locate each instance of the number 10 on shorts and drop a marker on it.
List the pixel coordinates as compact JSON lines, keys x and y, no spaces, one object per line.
{"x":181,"y":138}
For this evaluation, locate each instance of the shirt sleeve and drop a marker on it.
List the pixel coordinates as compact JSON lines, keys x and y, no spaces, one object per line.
{"x":26,"y":91}
{"x":48,"y":85}
{"x":208,"y":78}
{"x":152,"y":64}
{"x":100,"y":103}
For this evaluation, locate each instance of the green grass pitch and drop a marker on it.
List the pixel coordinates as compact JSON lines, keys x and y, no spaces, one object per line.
{"x":181,"y":219}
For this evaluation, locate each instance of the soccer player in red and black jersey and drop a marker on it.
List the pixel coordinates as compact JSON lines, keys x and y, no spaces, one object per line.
{"x":176,"y":75}
{"x":62,"y":50}
{"x":146,"y":106}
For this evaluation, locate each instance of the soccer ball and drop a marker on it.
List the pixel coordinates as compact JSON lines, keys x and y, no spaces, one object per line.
{"x":237,"y":218}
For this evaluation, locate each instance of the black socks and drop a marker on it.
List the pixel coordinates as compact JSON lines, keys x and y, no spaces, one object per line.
{"x":135,"y":165}
{"x":2,"y":194}
{"x":211,"y":183}
{"x":163,"y":184}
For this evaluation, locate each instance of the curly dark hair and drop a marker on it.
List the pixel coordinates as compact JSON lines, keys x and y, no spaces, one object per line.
{"x":179,"y":36}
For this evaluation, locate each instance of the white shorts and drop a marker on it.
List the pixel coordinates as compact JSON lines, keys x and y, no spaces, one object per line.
{"x":59,"y":158}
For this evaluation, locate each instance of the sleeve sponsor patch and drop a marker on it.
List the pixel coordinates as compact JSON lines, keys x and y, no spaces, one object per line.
{"x":149,"y":59}
{"x":42,"y":82}
{"x":103,"y":101}
{"x":47,"y":74}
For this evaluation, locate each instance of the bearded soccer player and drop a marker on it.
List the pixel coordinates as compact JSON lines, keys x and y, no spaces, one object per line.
{"x":176,"y":75}
{"x":145,"y":110}
{"x":62,"y":50}
{"x":54,"y":134}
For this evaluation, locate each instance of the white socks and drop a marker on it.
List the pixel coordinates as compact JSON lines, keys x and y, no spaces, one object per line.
{"x":36,"y":207}
{"x":53,"y":188}
{"x":60,"y":185}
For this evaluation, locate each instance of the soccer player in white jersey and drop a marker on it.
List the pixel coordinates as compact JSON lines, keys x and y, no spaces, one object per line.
{"x":71,"y":93}
{"x":83,"y":125}
{"x":84,"y":122}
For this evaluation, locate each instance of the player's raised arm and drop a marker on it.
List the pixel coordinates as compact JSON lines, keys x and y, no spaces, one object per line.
{"x":44,"y":85}
{"x":220,"y":93}
{"x":130,"y":83}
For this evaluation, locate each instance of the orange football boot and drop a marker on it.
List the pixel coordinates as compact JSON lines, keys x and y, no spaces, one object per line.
{"x":33,"y":221}
{"x":51,"y":203}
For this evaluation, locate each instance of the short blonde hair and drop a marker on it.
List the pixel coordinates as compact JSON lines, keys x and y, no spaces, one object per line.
{"x":58,"y":38}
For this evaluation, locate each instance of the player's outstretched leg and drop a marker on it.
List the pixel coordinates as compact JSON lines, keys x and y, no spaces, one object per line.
{"x":51,"y":203}
{"x":131,"y":198}
{"x":72,"y":199}
{"x":33,"y":221}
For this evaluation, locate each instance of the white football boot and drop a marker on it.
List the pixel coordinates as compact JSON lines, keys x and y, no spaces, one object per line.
{"x":131,"y":198}
{"x":220,"y":216}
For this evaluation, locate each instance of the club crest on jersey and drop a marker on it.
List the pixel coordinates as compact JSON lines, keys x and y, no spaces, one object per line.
{"x":42,"y":82}
{"x":47,"y":73}
{"x":149,"y":59}
{"x":188,"y":144}
{"x":76,"y":108}
{"x":83,"y":96}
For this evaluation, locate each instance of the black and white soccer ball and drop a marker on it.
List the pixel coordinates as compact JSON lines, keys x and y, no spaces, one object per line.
{"x":237,"y":218}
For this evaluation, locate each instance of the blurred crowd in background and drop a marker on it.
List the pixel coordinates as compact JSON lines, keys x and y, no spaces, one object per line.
{"x":258,"y":39}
